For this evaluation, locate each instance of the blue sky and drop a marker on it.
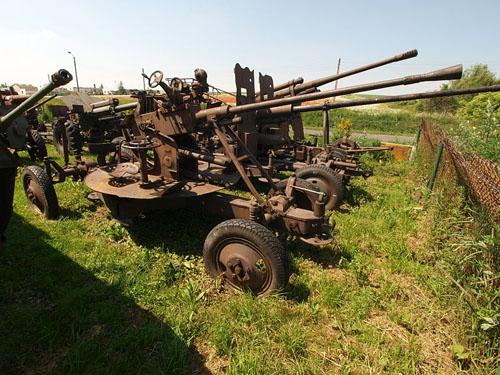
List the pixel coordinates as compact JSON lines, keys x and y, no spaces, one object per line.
{"x":113,"y":41}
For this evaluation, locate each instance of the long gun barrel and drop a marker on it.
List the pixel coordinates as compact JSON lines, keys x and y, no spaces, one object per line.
{"x":57,"y":79}
{"x":453,"y":72}
{"x":335,"y":77}
{"x":396,"y":98}
{"x":42,"y":103}
{"x":282,"y":86}
{"x":115,"y":109}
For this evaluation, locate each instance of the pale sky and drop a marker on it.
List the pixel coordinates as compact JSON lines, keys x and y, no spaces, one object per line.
{"x":114,"y":40}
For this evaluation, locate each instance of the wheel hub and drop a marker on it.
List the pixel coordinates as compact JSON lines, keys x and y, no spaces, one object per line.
{"x":31,"y":194}
{"x":243,"y":266}
{"x":321,"y":185}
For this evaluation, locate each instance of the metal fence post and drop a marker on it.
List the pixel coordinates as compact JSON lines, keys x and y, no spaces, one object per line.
{"x":436,"y":166}
{"x":419,"y":133}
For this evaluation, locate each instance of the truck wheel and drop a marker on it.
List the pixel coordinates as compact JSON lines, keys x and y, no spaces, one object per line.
{"x":75,"y":138}
{"x":247,"y":255}
{"x":326,"y":180}
{"x":126,"y":154}
{"x":36,"y":146}
{"x":303,"y":199}
{"x":40,"y":191}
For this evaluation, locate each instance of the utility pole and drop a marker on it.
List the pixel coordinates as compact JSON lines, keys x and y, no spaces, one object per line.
{"x":76,"y":74}
{"x":338,"y":71}
{"x":337,"y":81}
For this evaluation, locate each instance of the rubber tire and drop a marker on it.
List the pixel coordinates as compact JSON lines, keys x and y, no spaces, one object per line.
{"x":37,"y":149}
{"x":345,"y":144}
{"x":335,"y":191}
{"x":303,"y":199}
{"x":127,"y":154}
{"x":75,"y":138}
{"x":41,"y":127}
{"x":236,"y":230}
{"x":49,"y":206}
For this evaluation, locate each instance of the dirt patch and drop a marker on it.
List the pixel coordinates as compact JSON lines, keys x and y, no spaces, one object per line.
{"x":434,"y":354}
{"x":206,"y":361}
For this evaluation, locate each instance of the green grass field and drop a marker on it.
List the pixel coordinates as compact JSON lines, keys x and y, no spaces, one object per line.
{"x":84,"y":295}
{"x":400,"y":122}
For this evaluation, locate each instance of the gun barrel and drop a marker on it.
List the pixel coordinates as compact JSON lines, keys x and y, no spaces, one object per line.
{"x":323,"y":81}
{"x":111,"y":108}
{"x":57,"y":79}
{"x":42,"y":103}
{"x":453,"y":72}
{"x":284,"y":85}
{"x":389,"y":99}
{"x":104,"y":103}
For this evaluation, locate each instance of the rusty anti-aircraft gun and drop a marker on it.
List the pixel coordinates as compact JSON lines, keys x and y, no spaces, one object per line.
{"x":266,"y":131}
{"x":329,"y":167}
{"x":187,"y":154}
{"x":172,"y":172}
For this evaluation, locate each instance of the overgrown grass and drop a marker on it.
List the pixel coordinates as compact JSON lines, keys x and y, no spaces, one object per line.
{"x":82,"y":294}
{"x":468,"y":244}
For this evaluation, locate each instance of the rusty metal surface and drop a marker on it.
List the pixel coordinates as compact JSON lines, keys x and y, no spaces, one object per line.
{"x":400,"y":152}
{"x":103,"y":181}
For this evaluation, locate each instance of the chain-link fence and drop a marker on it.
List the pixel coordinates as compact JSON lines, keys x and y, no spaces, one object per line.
{"x":480,"y":177}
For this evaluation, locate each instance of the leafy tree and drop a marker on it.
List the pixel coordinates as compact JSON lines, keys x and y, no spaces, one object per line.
{"x":475,"y":76}
{"x":480,"y":124}
{"x":441,"y":104}
{"x":121,"y":89}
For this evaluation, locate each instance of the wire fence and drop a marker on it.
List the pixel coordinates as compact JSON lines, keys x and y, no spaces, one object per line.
{"x":479,"y":177}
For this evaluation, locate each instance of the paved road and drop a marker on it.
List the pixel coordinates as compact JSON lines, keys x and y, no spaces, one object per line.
{"x":381,"y":137}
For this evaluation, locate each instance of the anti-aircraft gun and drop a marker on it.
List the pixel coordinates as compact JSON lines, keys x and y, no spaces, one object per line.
{"x":266,"y":131}
{"x":89,"y":120}
{"x":319,"y":165}
{"x":189,"y":147}
{"x":172,"y":172}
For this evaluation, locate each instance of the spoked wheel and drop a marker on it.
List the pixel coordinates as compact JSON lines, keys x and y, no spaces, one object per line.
{"x":40,"y":191}
{"x":247,"y":255}
{"x":36,"y":145}
{"x":327,"y":181}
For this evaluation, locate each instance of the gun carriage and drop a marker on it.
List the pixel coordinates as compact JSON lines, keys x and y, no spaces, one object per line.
{"x":87,"y":119}
{"x":187,"y":147}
